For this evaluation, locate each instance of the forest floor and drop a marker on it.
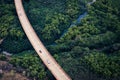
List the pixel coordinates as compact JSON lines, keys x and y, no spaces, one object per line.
{"x":8,"y":72}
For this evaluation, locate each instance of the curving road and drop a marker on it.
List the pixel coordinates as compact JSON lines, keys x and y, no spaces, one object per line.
{"x":48,"y":60}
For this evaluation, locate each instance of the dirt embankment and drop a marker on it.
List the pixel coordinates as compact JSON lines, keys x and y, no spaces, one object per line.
{"x":8,"y":72}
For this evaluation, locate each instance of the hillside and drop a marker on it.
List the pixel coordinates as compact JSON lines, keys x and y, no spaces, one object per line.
{"x":89,"y":50}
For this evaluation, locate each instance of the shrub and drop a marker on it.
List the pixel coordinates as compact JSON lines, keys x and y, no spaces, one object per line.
{"x":3,"y":57}
{"x":31,"y":64}
{"x":102,"y":64}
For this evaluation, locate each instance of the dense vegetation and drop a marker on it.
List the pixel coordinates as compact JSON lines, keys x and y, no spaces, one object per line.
{"x":32,"y":64}
{"x":89,"y":50}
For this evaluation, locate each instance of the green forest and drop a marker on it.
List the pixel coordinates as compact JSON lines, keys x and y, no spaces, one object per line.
{"x":87,"y":50}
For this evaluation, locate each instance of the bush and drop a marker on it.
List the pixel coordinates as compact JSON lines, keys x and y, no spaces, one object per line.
{"x":31,"y":64}
{"x":102,"y":64}
{"x":15,"y":46}
{"x":3,"y":57}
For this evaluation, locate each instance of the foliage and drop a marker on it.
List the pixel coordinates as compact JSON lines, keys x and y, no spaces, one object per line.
{"x":54,"y":26}
{"x":98,"y":32}
{"x":15,"y":46}
{"x":103,"y":64}
{"x":75,"y":7}
{"x":10,"y":29}
{"x":31,"y":63}
{"x":73,"y":66}
{"x":3,"y":57}
{"x":95,"y":39}
{"x":7,"y":22}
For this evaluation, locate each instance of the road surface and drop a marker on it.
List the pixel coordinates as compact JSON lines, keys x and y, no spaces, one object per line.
{"x":48,"y":60}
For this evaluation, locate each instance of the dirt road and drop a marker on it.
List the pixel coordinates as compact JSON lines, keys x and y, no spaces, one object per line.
{"x":48,"y":60}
